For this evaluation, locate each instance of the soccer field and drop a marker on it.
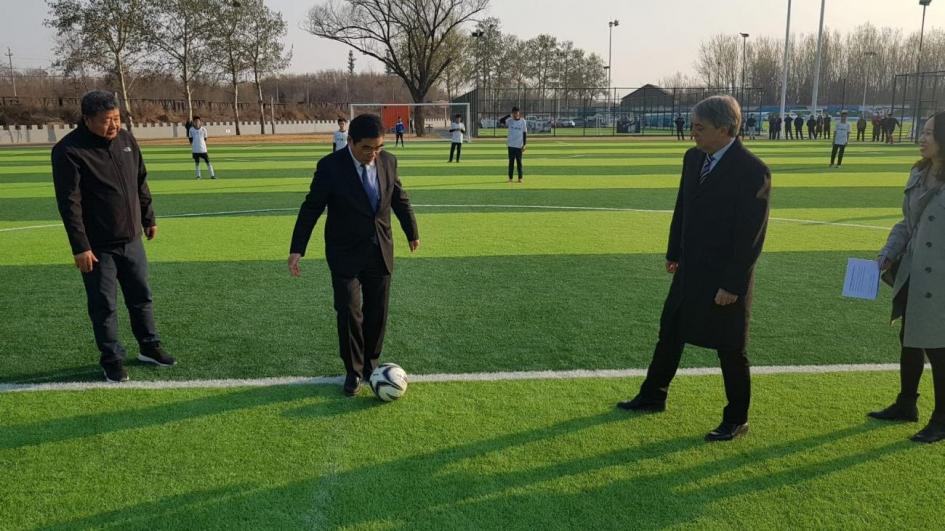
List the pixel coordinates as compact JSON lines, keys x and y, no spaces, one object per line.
{"x":561,"y":272}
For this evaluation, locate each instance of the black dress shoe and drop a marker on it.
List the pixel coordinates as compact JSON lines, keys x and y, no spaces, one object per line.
{"x":933,"y":432}
{"x":726,"y":432}
{"x":641,"y":404}
{"x":902,"y":410}
{"x":352,"y":385}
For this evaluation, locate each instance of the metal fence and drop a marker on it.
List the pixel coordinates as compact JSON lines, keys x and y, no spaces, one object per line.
{"x":916,"y":97}
{"x":647,"y":110}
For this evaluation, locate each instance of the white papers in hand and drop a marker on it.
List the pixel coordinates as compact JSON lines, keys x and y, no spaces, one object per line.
{"x":862,"y":279}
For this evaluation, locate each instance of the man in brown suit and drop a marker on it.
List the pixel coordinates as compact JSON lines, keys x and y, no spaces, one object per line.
{"x":715,"y":239}
{"x":360,"y":187}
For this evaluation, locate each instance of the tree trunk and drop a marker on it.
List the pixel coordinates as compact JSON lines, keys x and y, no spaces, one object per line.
{"x":124,"y":95}
{"x":262,"y":106}
{"x":236,"y":101}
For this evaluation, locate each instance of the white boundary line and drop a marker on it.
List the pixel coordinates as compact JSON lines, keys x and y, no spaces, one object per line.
{"x":510,"y":207}
{"x":439,"y":378}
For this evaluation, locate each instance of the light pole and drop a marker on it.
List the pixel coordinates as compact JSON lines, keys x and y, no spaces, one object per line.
{"x":784,"y":69}
{"x":870,"y":54}
{"x":611,"y":24}
{"x":820,"y":42}
{"x":918,"y":72}
{"x":744,"y":62}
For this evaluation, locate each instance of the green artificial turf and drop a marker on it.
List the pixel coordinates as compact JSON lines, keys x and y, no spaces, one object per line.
{"x":562,"y":271}
{"x":493,"y":455}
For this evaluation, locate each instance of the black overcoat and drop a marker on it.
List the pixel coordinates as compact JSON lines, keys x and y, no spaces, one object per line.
{"x":716,"y":236}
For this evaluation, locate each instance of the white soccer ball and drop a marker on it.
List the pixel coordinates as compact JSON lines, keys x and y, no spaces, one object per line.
{"x":389,"y":382}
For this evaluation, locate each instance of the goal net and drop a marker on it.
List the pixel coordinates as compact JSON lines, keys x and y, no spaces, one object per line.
{"x":427,"y":121}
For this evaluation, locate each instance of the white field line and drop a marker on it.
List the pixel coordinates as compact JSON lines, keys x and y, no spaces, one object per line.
{"x":439,"y":378}
{"x":510,"y":207}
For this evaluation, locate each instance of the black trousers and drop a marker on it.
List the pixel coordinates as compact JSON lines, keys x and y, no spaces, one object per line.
{"x":126,"y":266}
{"x":912,"y":363}
{"x":399,"y":137}
{"x":736,"y":373}
{"x":679,"y":134}
{"x":361,"y":307}
{"x":789,"y":133}
{"x":838,"y":149}
{"x":860,"y":135}
{"x":515,"y":156}
{"x":799,"y":133}
{"x":458,"y":148}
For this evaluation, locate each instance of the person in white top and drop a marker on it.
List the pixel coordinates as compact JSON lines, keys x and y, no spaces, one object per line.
{"x":456,"y":137}
{"x":198,"y":137}
{"x":340,"y":140}
{"x":840,"y":138}
{"x":518,"y":136}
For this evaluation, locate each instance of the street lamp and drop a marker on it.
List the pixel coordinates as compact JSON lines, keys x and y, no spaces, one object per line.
{"x":866,"y":78}
{"x":611,"y":24}
{"x":744,"y":62}
{"x":918,"y":72}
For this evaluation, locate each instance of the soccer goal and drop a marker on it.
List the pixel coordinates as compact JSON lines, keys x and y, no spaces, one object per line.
{"x":429,"y":121}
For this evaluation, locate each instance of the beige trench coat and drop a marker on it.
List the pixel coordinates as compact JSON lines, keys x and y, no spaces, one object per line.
{"x":918,"y":241}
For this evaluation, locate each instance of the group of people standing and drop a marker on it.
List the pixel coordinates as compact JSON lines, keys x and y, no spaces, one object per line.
{"x":715,"y":239}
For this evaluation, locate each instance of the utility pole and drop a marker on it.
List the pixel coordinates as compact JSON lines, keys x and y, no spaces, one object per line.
{"x":918,"y":76}
{"x":12,"y":73}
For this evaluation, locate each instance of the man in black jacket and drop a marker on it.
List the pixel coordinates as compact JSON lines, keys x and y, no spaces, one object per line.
{"x":715,"y":238}
{"x":359,"y":186}
{"x":105,"y":204}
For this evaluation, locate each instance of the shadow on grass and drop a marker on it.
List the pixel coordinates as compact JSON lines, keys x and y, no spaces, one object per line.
{"x":446,"y":487}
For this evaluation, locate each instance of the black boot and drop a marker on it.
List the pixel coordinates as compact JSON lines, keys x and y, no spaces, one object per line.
{"x":904,"y":408}
{"x":933,"y":432}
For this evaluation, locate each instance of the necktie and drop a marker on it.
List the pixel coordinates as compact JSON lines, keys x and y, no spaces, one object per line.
{"x":706,"y":168}
{"x":370,"y":188}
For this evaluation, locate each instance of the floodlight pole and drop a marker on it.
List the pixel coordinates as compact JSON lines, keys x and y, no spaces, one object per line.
{"x":611,"y":24}
{"x":784,"y":69}
{"x":820,"y":43}
{"x":918,"y":72}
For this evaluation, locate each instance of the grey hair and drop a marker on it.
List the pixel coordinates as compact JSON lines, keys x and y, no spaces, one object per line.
{"x":98,"y":101}
{"x":723,"y":112}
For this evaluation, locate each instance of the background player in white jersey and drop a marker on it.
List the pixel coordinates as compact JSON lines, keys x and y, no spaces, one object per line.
{"x":340,"y":140}
{"x":198,"y":137}
{"x":841,"y":137}
{"x":456,"y":136}
{"x":518,"y":133}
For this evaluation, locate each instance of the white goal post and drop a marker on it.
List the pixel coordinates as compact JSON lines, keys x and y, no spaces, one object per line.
{"x":437,"y":117}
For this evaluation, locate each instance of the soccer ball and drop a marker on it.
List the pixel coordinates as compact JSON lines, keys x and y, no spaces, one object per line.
{"x":389,"y":382}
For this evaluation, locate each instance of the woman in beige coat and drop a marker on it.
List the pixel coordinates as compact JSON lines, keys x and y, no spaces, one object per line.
{"x":917,"y":245}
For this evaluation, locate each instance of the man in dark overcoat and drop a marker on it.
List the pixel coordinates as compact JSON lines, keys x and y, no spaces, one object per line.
{"x":715,"y":239}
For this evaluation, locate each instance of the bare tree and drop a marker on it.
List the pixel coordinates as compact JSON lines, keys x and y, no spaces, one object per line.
{"x":179,"y":31}
{"x":111,"y":37}
{"x":230,"y":44}
{"x":409,"y":36}
{"x":265,"y":51}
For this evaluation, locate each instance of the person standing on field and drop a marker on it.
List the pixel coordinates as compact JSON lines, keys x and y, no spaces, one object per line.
{"x":456,"y":137}
{"x":840,"y":139}
{"x":340,"y":138}
{"x":198,"y":135}
{"x":518,"y":137}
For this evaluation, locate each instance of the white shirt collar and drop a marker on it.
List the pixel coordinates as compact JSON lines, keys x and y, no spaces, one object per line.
{"x":357,"y":163}
{"x":717,"y":156}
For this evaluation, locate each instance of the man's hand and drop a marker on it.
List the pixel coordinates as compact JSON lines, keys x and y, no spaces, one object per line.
{"x":883,"y":262}
{"x":294,"y":268}
{"x":151,"y":232}
{"x":414,"y":245}
{"x":85,"y":261}
{"x":724,"y":298}
{"x":672,"y":267}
